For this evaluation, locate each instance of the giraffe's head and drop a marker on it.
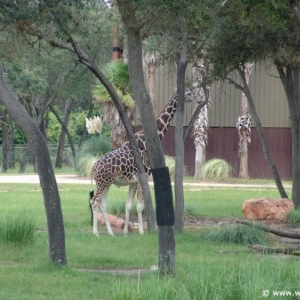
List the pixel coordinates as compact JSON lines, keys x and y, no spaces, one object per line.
{"x":190,"y":97}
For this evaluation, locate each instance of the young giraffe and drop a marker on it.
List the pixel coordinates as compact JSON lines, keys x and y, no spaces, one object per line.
{"x":118,"y":167}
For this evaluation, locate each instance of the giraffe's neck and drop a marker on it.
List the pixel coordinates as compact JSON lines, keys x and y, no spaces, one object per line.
{"x":163,"y":121}
{"x":165,"y":117}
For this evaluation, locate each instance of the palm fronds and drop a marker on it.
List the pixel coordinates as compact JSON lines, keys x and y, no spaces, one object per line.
{"x":117,"y":73}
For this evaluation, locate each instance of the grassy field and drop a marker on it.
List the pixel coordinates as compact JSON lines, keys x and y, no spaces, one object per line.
{"x":205,"y":270}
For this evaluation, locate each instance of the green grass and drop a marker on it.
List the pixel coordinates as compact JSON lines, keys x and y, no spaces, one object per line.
{"x":238,"y":234}
{"x":17,"y":229}
{"x":294,"y":218}
{"x":205,"y":269}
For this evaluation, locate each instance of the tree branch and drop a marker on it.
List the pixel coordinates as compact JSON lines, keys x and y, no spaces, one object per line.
{"x":202,"y":104}
{"x":263,"y":227}
{"x":236,"y":85}
{"x":263,"y":249}
{"x":296,"y":10}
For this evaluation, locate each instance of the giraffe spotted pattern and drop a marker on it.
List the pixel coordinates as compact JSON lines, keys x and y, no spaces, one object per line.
{"x":118,"y":167}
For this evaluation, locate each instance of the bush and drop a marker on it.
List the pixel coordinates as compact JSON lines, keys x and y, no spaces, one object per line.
{"x":17,"y":229}
{"x":237,"y":234}
{"x":216,"y":169}
{"x":89,"y":152}
{"x":170,"y":163}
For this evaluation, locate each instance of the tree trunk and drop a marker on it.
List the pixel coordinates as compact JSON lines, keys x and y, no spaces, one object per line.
{"x":164,"y":204}
{"x":84,"y":133}
{"x":117,"y":50}
{"x":12,"y":159}
{"x":150,"y":60}
{"x":24,"y":159}
{"x":200,"y":125}
{"x":65,"y":128}
{"x":5,"y":139}
{"x":61,"y":142}
{"x":48,"y":183}
{"x":261,"y":135}
{"x":244,"y":128}
{"x":200,"y":160}
{"x":244,"y":172}
{"x":290,"y":81}
{"x":181,"y":61}
{"x":198,"y":109}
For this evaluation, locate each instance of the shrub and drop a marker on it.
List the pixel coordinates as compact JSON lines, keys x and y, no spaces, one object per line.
{"x":17,"y":229}
{"x":216,"y":169}
{"x":236,"y":234}
{"x":170,"y":163}
{"x":89,"y":152}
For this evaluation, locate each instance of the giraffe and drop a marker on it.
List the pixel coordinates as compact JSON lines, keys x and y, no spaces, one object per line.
{"x":118,"y":167}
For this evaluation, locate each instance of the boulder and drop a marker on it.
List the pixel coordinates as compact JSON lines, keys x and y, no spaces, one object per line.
{"x":267,"y":209}
{"x":114,"y":221}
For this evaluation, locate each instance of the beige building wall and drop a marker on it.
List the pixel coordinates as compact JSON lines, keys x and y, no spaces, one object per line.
{"x":265,"y":86}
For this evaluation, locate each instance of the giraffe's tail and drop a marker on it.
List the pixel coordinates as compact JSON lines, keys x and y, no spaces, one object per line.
{"x":90,"y":206}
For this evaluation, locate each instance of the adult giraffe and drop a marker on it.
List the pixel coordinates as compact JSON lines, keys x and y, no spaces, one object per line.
{"x":118,"y":167}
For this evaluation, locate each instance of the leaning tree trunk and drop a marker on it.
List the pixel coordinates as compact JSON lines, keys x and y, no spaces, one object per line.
{"x":261,"y":135}
{"x":38,"y":145}
{"x":290,"y":80}
{"x":201,"y":123}
{"x":61,"y":141}
{"x":244,"y":128}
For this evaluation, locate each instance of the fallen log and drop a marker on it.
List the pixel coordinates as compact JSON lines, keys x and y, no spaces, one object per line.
{"x":270,"y":250}
{"x":266,"y":228}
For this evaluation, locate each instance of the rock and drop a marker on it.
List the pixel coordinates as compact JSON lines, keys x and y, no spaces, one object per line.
{"x":114,"y":221}
{"x":267,"y":209}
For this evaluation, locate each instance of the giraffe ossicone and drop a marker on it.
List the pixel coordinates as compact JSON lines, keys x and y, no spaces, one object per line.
{"x":118,"y":167}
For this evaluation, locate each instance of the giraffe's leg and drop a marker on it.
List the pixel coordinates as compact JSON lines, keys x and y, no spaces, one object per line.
{"x":104,"y":213}
{"x":95,"y":221}
{"x":99,"y":200}
{"x":139,"y":208}
{"x":131,"y":194}
{"x":95,"y":205}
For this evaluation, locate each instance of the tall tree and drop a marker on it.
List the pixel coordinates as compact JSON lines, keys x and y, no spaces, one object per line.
{"x":117,"y":73}
{"x":179,"y":38}
{"x":181,"y":62}
{"x":151,"y":60}
{"x":48,"y":183}
{"x":161,"y":177}
{"x":244,"y":128}
{"x":276,"y":41}
{"x":200,"y":125}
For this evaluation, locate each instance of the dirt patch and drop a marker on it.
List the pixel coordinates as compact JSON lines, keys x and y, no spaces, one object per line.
{"x":198,"y":221}
{"x":115,"y":271}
